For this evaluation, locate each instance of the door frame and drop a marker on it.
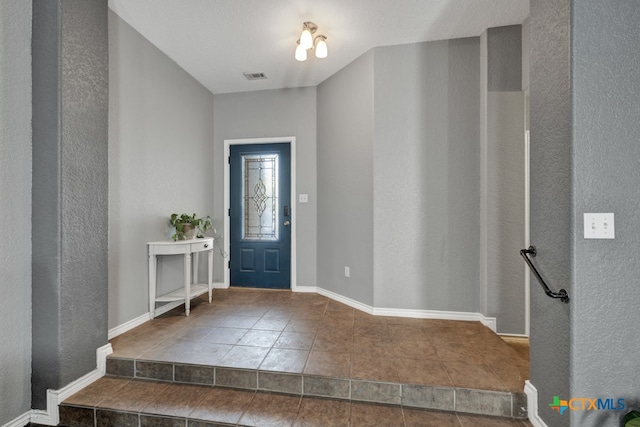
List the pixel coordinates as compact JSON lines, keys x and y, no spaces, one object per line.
{"x":291,"y":140}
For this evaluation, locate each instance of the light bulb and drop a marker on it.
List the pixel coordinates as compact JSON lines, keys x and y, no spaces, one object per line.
{"x":301,"y":53}
{"x":306,"y":40}
{"x":321,"y":48}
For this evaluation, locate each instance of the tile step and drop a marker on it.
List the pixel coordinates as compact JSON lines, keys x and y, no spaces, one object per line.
{"x":441,"y":398}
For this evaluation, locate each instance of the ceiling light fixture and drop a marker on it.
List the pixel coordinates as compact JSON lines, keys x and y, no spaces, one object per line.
{"x":307,"y":42}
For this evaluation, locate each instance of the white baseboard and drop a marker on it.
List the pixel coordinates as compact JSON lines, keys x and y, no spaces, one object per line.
{"x":220,"y":285}
{"x":490,"y":322}
{"x":305,"y":289}
{"x":532,"y":405}
{"x":127,"y":326}
{"x":51,"y":416}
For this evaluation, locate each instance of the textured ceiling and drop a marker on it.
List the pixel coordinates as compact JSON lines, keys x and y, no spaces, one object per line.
{"x":216,"y":41}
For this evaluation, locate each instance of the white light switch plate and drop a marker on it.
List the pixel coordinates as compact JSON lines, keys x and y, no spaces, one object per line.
{"x":303,"y":198}
{"x":599,"y":226}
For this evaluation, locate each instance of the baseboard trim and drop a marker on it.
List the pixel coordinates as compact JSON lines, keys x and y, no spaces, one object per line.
{"x":305,"y":289}
{"x":489,"y":322}
{"x":220,"y":285}
{"x":51,"y":417}
{"x":532,"y":405}
{"x":127,"y":326}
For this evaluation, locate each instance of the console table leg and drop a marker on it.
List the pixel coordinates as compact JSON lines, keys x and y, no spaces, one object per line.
{"x":187,"y":283}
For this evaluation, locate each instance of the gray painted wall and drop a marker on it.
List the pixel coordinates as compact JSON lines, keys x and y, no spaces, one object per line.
{"x":160,"y":162}
{"x":426,"y":175}
{"x":502,"y":180}
{"x":15,"y":196}
{"x":70,"y":281}
{"x":345,"y":180}
{"x":552,"y":223}
{"x":605,"y":344}
{"x":274,"y":113}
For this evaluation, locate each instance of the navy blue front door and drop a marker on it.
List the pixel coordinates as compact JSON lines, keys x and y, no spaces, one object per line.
{"x":260,"y":215}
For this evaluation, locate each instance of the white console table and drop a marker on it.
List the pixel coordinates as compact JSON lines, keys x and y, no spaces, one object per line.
{"x":190,"y":289}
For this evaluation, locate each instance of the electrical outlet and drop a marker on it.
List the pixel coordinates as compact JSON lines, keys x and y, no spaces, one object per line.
{"x":303,"y":198}
{"x":599,"y":226}
{"x":347,"y":272}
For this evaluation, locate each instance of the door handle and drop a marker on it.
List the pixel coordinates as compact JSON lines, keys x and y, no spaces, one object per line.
{"x":286,"y":211}
{"x":287,"y":223}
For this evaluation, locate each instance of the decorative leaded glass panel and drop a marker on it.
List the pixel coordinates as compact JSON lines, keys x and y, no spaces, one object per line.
{"x":260,"y":197}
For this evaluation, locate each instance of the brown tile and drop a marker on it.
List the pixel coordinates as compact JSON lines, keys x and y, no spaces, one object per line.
{"x":326,"y":386}
{"x":318,"y":412}
{"x":302,"y":325}
{"x":194,"y":374}
{"x":279,"y":313}
{"x":192,"y":334}
{"x":74,"y":416}
{"x":134,"y":346}
{"x":418,"y":396}
{"x":120,"y":367}
{"x":373,"y":347}
{"x":466,"y":375}
{"x":279,"y":382}
{"x":204,"y":354}
{"x":519,"y":405}
{"x":511,"y":376}
{"x":426,"y":372}
{"x":374,"y":415}
{"x":95,"y":392}
{"x":106,"y":418}
{"x":334,"y":344}
{"x":414,"y":349}
{"x":406,"y":333}
{"x":177,"y":400}
{"x":271,"y":324}
{"x":483,"y":402}
{"x":134,"y":396}
{"x":238,"y":378}
{"x":245,"y":322}
{"x":464,"y":353}
{"x":269,"y":409}
{"x":424,"y":418}
{"x":285,"y":360}
{"x":372,"y":391}
{"x":484,"y":421}
{"x":373,"y":368}
{"x":221,"y":405}
{"x":329,"y":364}
{"x":295,"y":340}
{"x":225,"y":335}
{"x":258,"y":338}
{"x":244,"y":357}
{"x":154,"y":370}
{"x":158,"y":421}
{"x":371,"y":330}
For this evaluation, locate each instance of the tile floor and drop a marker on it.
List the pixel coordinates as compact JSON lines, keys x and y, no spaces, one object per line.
{"x":255,"y":337}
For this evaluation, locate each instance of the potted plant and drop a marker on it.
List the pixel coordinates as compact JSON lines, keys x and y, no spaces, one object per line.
{"x":189,"y":226}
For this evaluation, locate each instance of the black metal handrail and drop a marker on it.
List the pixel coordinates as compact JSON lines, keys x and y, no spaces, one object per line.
{"x":562,"y":295}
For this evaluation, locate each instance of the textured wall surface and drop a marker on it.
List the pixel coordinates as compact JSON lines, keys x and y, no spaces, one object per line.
{"x":275,"y":113}
{"x":160,"y":162}
{"x":426,"y":175}
{"x":70,"y":287}
{"x":345,"y":180}
{"x":552,"y":222}
{"x":15,"y":203}
{"x":605,"y":353}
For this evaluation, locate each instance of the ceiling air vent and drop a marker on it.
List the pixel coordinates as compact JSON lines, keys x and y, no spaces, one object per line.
{"x":255,"y":76}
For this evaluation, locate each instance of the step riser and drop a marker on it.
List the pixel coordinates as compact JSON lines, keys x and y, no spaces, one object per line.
{"x":483,"y":402}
